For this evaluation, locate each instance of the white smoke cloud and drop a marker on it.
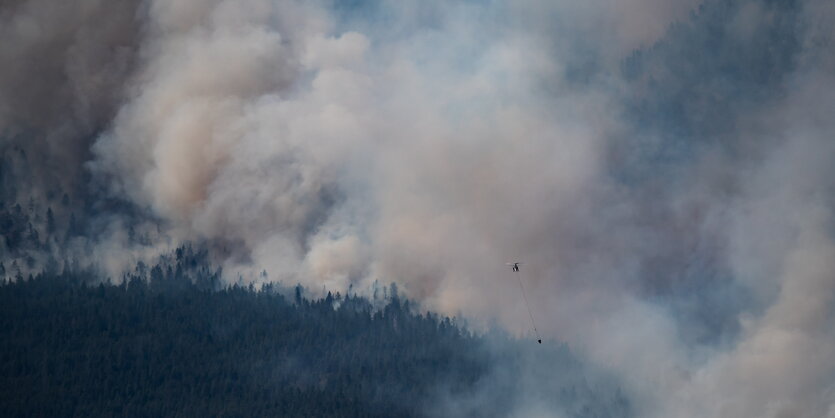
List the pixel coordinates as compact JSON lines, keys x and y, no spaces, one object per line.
{"x":783,"y":250}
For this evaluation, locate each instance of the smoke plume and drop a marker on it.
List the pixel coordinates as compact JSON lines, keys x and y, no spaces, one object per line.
{"x":662,"y":169}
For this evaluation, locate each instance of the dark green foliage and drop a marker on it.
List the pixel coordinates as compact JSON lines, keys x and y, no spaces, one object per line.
{"x":166,"y":346}
{"x":50,"y":222}
{"x":73,"y":349}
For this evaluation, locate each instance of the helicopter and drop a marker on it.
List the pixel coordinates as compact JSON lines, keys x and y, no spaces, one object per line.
{"x":514,"y":266}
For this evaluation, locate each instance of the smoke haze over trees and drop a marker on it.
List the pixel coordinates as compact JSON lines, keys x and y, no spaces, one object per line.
{"x":164,"y":342}
{"x":663,"y":168}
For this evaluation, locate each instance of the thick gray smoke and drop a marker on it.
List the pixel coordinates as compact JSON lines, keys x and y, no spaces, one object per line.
{"x":663,"y":169}
{"x":63,"y":74}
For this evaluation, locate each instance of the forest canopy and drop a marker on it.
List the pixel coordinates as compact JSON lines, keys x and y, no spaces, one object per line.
{"x":163,"y":344}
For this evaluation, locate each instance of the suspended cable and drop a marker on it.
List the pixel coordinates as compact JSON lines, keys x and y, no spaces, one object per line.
{"x":527,"y":305}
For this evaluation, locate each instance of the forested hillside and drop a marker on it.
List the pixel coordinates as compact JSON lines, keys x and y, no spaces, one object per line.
{"x":174,"y":339}
{"x":163,"y":345}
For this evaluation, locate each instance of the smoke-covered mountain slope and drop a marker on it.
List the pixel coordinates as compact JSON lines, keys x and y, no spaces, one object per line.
{"x":161,"y":344}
